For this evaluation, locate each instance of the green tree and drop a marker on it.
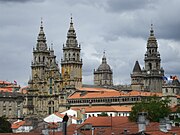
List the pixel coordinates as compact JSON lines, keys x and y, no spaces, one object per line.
{"x":155,"y":107}
{"x":5,"y":126}
{"x":103,"y":114}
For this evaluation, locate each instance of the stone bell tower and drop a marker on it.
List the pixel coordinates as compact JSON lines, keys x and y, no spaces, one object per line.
{"x":71,"y":63}
{"x":45,"y":95}
{"x":153,"y":72}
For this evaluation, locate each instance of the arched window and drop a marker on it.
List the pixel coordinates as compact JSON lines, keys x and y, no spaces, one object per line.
{"x":65,"y":56}
{"x":51,"y":107}
{"x":73,"y":56}
{"x":150,"y":66}
{"x":77,"y":57}
{"x":43,"y":58}
{"x":69,"y":56}
{"x":156,"y":65}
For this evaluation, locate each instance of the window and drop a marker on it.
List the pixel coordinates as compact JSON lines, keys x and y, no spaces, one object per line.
{"x":150,"y":66}
{"x":43,"y":58}
{"x":166,"y":90}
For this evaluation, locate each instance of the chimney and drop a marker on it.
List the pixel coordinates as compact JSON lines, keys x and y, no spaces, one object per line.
{"x":168,"y":124}
{"x":92,"y":131}
{"x":75,"y":132}
{"x":165,"y":125}
{"x":125,"y":132}
{"x":162,"y":126}
{"x":142,"y":121}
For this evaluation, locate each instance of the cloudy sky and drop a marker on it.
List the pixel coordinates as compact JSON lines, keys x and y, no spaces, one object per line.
{"x":120,"y":27}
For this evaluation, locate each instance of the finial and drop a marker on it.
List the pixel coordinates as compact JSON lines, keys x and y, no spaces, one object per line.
{"x":51,"y":46}
{"x":41,"y":22}
{"x":71,"y":18}
{"x":104,"y":52}
{"x":151,"y":31}
{"x":104,"y":57}
{"x":71,"y":25}
{"x":151,"y":26}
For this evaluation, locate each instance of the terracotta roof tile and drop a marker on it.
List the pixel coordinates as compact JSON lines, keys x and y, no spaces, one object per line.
{"x":4,"y":82}
{"x":89,"y":109}
{"x":94,"y":89}
{"x":17,"y":124}
{"x":5,"y":90}
{"x":117,"y":125}
{"x":99,"y":92}
{"x":24,"y":133}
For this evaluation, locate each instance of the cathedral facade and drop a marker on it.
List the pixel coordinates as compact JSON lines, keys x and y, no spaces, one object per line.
{"x":150,"y":77}
{"x":48,"y":88}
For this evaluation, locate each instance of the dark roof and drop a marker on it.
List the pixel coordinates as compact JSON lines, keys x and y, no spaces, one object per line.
{"x":137,"y":67}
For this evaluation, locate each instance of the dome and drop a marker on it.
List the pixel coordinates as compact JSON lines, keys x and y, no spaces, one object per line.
{"x":104,"y":67}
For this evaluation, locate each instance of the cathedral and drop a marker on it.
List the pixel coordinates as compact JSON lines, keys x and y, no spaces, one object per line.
{"x":48,"y":87}
{"x":150,"y":77}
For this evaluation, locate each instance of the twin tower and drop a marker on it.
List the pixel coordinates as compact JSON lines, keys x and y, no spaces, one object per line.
{"x":48,"y":87}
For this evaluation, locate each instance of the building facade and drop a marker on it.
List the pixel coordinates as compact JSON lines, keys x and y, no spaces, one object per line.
{"x":11,"y":105}
{"x":11,"y":100}
{"x":48,"y":88}
{"x":103,"y":76}
{"x":151,"y":75}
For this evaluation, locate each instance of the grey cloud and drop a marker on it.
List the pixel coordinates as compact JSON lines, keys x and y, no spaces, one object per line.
{"x":170,"y":31}
{"x":127,"y":5}
{"x":163,"y":14}
{"x":100,"y":25}
{"x":20,"y":1}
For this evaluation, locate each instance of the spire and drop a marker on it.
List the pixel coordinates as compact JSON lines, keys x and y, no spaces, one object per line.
{"x":137,"y":67}
{"x":52,"y":50}
{"x":71,"y":36}
{"x":71,"y":25}
{"x":104,"y":57}
{"x":41,"y":33}
{"x":152,"y":39}
{"x":41,"y":41}
{"x":71,"y":31}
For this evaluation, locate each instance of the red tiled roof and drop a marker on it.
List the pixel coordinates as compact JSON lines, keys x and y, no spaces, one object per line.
{"x":17,"y":124}
{"x":4,"y":82}
{"x":94,"y":89}
{"x":106,"y":121}
{"x":24,"y":90}
{"x":5,"y":89}
{"x":89,"y":109}
{"x":24,"y":133}
{"x":117,"y":125}
{"x":99,"y":92}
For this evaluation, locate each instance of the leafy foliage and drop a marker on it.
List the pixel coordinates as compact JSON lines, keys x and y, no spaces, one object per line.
{"x":154,"y":106}
{"x":103,"y":114}
{"x":5,"y":126}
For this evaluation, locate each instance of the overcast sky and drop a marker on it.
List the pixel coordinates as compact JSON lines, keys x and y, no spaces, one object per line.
{"x":120,"y":27}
